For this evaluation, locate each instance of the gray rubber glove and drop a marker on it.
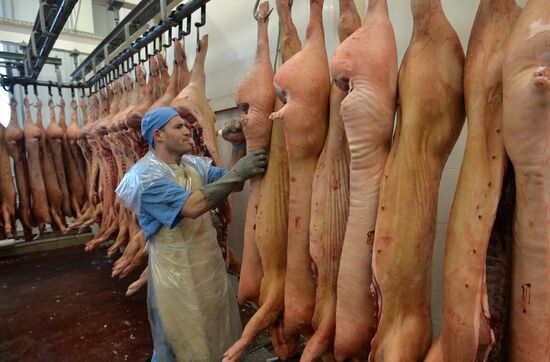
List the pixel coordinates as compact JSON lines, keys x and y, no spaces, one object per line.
{"x":251,"y":165}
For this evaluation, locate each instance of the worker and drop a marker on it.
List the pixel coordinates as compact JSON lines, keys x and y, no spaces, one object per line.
{"x":192,"y":309}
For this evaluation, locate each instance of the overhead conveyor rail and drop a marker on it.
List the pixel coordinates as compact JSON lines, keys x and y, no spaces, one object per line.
{"x":15,"y":61}
{"x":124,"y":61}
{"x":50,"y":20}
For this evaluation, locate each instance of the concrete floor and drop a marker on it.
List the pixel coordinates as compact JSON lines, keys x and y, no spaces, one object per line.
{"x":62,"y":305}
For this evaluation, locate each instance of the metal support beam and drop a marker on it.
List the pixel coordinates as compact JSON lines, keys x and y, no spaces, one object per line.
{"x":21,"y":57}
{"x":51,"y":18}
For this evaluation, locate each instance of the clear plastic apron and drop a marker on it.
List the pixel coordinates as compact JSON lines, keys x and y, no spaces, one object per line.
{"x":192,"y":308}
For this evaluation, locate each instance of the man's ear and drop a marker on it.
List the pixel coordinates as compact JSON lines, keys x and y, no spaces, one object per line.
{"x":157,"y":135}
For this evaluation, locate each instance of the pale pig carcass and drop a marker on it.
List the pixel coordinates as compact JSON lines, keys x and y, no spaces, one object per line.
{"x":303,"y":84}
{"x":526,"y":131}
{"x":466,"y":332}
{"x":365,"y":66}
{"x":431,"y":115}
{"x":256,"y":96}
{"x":329,"y":210}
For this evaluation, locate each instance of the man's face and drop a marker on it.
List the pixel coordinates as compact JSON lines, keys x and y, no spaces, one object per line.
{"x":175,"y":137}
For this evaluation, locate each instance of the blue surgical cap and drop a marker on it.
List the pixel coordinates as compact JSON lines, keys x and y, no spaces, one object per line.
{"x":154,"y":120}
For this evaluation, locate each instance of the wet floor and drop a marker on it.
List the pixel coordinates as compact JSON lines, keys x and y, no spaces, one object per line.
{"x":63,"y":305}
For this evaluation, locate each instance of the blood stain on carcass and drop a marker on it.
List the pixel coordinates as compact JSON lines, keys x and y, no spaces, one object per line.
{"x":525,"y":296}
{"x":370,"y":237}
{"x":298,"y":222}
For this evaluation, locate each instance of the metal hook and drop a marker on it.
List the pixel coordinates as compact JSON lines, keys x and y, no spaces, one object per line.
{"x":50,"y":88}
{"x":82,"y":94}
{"x":72,"y":91}
{"x":169,"y":44}
{"x":154,"y":41}
{"x":187,"y":31}
{"x":142,"y":60}
{"x":26,"y":90}
{"x":7,"y":86}
{"x":198,"y":40}
{"x":35,"y":86}
{"x":198,"y":25}
{"x":255,"y":10}
{"x":257,"y":5}
{"x":203,"y":17}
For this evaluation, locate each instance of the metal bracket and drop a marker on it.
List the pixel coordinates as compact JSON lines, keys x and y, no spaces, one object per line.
{"x":106,"y":54}
{"x":74,"y":54}
{"x":162,"y":9}
{"x":59,"y":79}
{"x":33,"y":43}
{"x":26,"y":62}
{"x":43,"y":27}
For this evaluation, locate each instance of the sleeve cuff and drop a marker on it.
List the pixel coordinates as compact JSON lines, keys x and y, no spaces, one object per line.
{"x":175,"y":217}
{"x":239,"y":146}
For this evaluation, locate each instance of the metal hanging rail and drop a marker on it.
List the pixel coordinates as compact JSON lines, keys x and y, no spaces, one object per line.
{"x":52,"y":16}
{"x":144,"y":11}
{"x":16,"y":61}
{"x":8,"y":83}
{"x":122,"y":60}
